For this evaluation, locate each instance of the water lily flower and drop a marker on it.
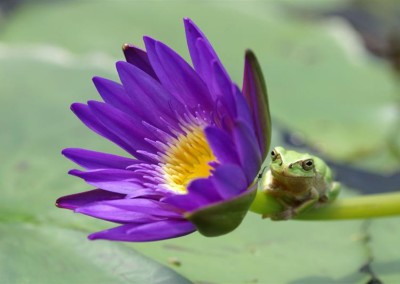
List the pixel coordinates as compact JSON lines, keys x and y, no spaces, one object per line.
{"x":196,"y":140}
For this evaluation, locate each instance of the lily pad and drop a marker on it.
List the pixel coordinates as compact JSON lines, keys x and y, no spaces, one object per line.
{"x":341,"y":103}
{"x":46,"y":254}
{"x":263,"y":251}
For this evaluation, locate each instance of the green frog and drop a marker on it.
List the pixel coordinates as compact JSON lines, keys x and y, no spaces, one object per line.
{"x":298,"y":181}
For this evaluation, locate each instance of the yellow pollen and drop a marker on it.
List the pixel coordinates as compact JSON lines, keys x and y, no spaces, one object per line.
{"x":187,"y":158}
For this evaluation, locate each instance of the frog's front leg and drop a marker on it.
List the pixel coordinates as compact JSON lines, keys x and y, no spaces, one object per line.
{"x":314,"y":197}
{"x":334,"y":192}
{"x":291,"y":211}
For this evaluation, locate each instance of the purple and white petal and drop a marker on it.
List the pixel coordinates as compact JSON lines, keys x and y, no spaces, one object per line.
{"x":136,"y":210}
{"x":200,"y":50}
{"x":76,"y":200}
{"x":177,"y":76}
{"x":159,"y":230}
{"x":151,"y":100}
{"x":130,"y":130}
{"x":115,"y":180}
{"x":96,"y":160}
{"x":83,"y":112}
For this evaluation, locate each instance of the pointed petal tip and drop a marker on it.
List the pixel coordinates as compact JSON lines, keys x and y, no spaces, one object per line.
{"x":60,"y":203}
{"x":65,"y":152}
{"x":69,"y":152}
{"x":95,"y":104}
{"x":149,"y":40}
{"x":97,"y":80}
{"x":93,"y":237}
{"x":188,"y":22}
{"x":125,"y":46}
{"x":249,"y":52}
{"x":74,"y":172}
{"x":121,"y":65}
{"x":130,"y":47}
{"x":250,"y":56}
{"x":75,"y":106}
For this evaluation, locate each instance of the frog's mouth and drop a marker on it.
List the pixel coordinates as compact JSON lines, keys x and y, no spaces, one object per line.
{"x":284,"y":175}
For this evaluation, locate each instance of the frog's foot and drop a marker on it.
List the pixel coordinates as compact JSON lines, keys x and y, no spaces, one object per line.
{"x":323,"y":199}
{"x":335,"y":190}
{"x":287,"y":214}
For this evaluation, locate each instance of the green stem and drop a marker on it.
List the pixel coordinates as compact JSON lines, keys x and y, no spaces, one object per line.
{"x":358,"y":207}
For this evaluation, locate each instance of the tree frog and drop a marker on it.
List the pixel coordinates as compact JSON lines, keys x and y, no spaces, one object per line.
{"x":298,"y":181}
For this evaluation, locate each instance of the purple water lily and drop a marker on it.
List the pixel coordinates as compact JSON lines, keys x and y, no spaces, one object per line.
{"x":197,"y":141}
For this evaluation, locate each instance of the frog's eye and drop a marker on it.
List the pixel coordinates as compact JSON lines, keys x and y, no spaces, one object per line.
{"x":274,"y":155}
{"x":307,"y":164}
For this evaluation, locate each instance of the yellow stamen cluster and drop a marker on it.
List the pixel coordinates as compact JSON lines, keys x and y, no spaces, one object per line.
{"x":186,"y":159}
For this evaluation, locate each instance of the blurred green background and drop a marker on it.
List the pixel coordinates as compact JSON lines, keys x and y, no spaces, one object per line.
{"x":330,"y":68}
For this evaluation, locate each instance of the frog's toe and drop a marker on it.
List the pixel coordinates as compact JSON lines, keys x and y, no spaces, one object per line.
{"x":284,"y":215}
{"x":323,"y":199}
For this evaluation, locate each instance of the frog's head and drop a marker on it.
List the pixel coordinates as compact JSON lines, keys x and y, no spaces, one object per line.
{"x":286,"y":163}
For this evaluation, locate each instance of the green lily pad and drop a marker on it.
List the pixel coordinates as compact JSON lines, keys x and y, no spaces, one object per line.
{"x":263,"y":251}
{"x":45,"y":254}
{"x":383,"y":241}
{"x":342,"y":104}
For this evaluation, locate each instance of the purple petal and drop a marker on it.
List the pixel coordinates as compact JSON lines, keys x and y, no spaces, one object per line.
{"x":203,"y":61}
{"x":74,"y":201}
{"x":223,"y":87}
{"x":248,"y":150}
{"x":138,"y":57}
{"x":177,"y":76}
{"x":201,"y":193}
{"x":193,"y":36}
{"x":187,"y":202}
{"x":86,"y":116}
{"x":130,"y":210}
{"x":97,"y":160}
{"x":120,"y":181}
{"x":242,"y":109}
{"x":256,"y":95}
{"x":128,"y":129}
{"x":116,"y":215}
{"x":201,"y":51}
{"x":114,"y":94}
{"x":151,"y":100}
{"x":205,"y":189}
{"x":155,"y":231}
{"x":221,"y":145}
{"x":139,"y":205}
{"x":229,"y":180}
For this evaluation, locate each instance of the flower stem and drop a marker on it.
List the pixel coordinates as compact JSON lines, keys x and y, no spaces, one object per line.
{"x":358,"y":207}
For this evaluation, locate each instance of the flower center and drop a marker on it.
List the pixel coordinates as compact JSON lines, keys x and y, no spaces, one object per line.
{"x":187,"y":158}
